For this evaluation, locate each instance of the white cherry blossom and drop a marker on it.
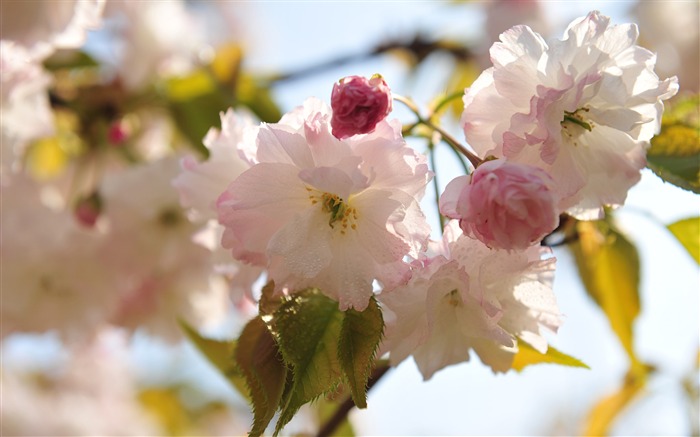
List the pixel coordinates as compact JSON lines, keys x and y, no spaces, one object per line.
{"x":582,"y":108}
{"x":328,"y":213}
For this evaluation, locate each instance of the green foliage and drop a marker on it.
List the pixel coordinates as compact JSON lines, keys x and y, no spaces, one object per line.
{"x":220,"y":354}
{"x":359,"y":337}
{"x":608,"y":264}
{"x":300,"y":348}
{"x":195,"y":102}
{"x":675,"y":153}
{"x":307,"y":327}
{"x":527,"y":356}
{"x":261,"y":363}
{"x":687,"y":231}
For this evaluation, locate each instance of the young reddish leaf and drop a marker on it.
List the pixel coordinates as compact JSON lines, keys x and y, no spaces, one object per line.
{"x":359,"y":338}
{"x":307,"y":327}
{"x":265,"y":373}
{"x":527,"y":356}
{"x":219,"y":353}
{"x":687,"y":231}
{"x":608,"y":264}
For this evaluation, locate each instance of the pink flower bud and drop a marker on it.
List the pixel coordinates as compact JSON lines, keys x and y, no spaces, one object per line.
{"x":503,"y":204}
{"x":359,"y":104}
{"x":88,"y":210}
{"x":118,"y":132}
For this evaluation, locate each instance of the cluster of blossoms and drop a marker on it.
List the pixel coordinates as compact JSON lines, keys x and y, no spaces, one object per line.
{"x":329,"y":197}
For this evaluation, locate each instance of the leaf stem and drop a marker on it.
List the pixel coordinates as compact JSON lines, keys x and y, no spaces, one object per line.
{"x":447,"y":99}
{"x":341,"y":413}
{"x":446,"y":137}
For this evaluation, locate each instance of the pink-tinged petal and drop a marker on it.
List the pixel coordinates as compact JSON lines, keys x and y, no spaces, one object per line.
{"x":304,"y":256}
{"x":278,"y":144}
{"x":450,"y":197}
{"x":256,"y":204}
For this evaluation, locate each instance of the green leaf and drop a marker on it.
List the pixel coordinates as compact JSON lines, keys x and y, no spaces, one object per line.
{"x":527,"y":356}
{"x":360,"y":334}
{"x":68,"y":60}
{"x":261,"y":364}
{"x":687,"y":231}
{"x":307,"y":328}
{"x":195,"y":102}
{"x":257,"y":97}
{"x":269,"y":303}
{"x":675,"y":153}
{"x":220,"y":354}
{"x":608,"y":264}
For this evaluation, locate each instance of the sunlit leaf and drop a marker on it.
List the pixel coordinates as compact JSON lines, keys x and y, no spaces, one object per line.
{"x":48,"y":157}
{"x":269,"y":302}
{"x":220,"y":354}
{"x":70,"y":60}
{"x":257,"y":97}
{"x":608,"y":409}
{"x":463,"y":75}
{"x":265,"y":373}
{"x":359,"y":338}
{"x":226,"y":63}
{"x":608,"y":264}
{"x":307,"y":327}
{"x":675,"y":153}
{"x":527,"y":356}
{"x":687,"y":231}
{"x":165,"y":406}
{"x":195,"y":102}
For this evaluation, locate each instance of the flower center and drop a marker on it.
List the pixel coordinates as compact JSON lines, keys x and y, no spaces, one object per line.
{"x":338,"y":209}
{"x":577,"y":118}
{"x":574,"y":124}
{"x":454,"y":299}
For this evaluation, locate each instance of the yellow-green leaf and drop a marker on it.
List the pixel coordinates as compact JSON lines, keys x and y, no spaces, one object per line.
{"x":607,"y":409}
{"x":307,"y":328}
{"x":195,"y":102}
{"x":527,"y":356}
{"x":675,"y":153}
{"x":687,"y":231}
{"x":265,"y":372}
{"x":359,"y":338}
{"x":608,"y":264}
{"x":220,"y":353}
{"x":165,"y":406}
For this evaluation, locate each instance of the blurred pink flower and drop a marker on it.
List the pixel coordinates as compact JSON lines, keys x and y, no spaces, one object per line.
{"x":359,"y":104}
{"x":328,"y":213}
{"x":470,"y":297}
{"x":583,"y":109}
{"x":505,"y":205}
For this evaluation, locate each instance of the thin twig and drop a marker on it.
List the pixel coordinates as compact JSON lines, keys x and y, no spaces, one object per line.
{"x":341,"y":413}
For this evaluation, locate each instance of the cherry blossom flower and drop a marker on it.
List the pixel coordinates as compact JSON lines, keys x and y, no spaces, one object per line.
{"x":505,"y":205}
{"x":359,"y":104}
{"x":200,"y":184}
{"x":23,"y":96}
{"x":95,"y":379}
{"x":328,"y":213}
{"x":42,"y":27}
{"x":52,"y":277}
{"x":163,"y":273}
{"x":470,"y":297}
{"x":583,"y":108}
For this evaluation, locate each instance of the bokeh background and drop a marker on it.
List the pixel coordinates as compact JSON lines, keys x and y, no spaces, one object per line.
{"x":307,"y":46}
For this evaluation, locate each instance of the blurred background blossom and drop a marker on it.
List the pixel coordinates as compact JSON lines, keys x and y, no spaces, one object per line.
{"x":104,"y":102}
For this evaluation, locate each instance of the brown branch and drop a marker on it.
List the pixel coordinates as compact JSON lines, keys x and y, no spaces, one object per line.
{"x":341,"y":413}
